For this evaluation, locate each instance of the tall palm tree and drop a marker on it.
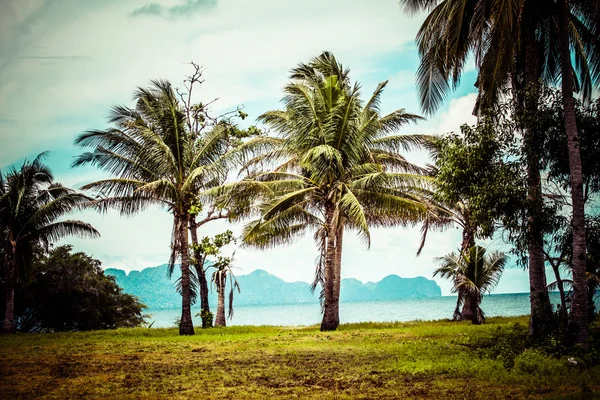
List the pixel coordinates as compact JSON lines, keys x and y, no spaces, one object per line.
{"x":334,"y":166}
{"x":473,"y":274}
{"x":31,"y":206}
{"x":155,"y":160}
{"x":516,"y":43}
{"x":590,"y":63}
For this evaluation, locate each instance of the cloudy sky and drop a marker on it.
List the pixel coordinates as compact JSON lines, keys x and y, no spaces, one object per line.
{"x":63,"y":63}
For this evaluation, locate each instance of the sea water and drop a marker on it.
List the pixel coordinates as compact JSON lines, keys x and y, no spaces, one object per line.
{"x":431,"y":308}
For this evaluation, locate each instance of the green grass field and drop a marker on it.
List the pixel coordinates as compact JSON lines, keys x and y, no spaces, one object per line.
{"x":438,"y":360}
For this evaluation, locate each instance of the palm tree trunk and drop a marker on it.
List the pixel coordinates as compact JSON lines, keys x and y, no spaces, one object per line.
{"x":337,"y":280}
{"x":330,"y":311}
{"x":201,"y":274}
{"x":578,"y":324}
{"x":186,"y":326}
{"x":541,"y":310}
{"x":9,"y":315}
{"x":220,"y":321}
{"x":469,"y":308}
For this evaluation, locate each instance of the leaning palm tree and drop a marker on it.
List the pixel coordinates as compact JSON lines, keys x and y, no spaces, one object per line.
{"x":473,"y":274}
{"x":155,"y":160}
{"x":518,"y":43}
{"x":334,"y":166}
{"x":223,"y":270}
{"x":31,"y":206}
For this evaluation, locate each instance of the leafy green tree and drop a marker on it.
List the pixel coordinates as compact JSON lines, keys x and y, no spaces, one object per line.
{"x":155,"y":159}
{"x":31,"y":208}
{"x":476,"y":184}
{"x":334,"y":166}
{"x":69,"y":292}
{"x":473,"y":274}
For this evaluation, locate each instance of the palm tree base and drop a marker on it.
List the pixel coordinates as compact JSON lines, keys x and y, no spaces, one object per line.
{"x":329,"y":326}
{"x":8,"y":328}
{"x":186,"y":328}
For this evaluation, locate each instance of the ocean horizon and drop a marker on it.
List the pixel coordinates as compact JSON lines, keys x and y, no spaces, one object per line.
{"x":426,"y":309}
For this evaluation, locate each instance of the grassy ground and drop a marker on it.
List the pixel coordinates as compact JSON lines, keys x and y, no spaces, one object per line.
{"x":439,"y":360}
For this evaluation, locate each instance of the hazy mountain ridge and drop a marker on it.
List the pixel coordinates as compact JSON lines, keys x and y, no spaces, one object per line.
{"x":156,"y":290}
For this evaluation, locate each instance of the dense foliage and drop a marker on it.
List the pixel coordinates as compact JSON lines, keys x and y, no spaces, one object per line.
{"x":69,"y":292}
{"x":32,"y":211}
{"x":477,"y":182}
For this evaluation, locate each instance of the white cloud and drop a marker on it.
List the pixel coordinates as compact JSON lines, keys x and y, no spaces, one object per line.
{"x":88,"y":57}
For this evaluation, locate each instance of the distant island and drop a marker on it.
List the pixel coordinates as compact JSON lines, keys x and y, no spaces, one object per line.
{"x":259,"y":288}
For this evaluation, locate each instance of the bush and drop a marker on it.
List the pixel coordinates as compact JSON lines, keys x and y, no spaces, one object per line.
{"x":69,"y":292}
{"x":533,"y":361}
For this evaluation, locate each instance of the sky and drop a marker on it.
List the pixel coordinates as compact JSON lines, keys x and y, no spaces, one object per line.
{"x":64,"y":63}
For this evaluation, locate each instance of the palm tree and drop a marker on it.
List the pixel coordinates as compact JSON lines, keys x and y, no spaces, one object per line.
{"x":334,"y":166}
{"x":219,"y":277}
{"x":31,"y":204}
{"x":155,"y":160}
{"x":473,"y":274}
{"x":588,"y":60}
{"x":542,"y":50}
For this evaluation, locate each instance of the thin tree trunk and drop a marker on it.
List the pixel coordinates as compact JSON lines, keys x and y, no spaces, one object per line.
{"x":186,"y":326}
{"x":477,"y":311}
{"x":468,"y":233}
{"x":561,"y":291}
{"x":457,"y":312}
{"x":591,"y":306}
{"x":330,"y":318}
{"x":202,"y":281}
{"x":9,"y":315}
{"x":220,"y":320}
{"x":541,"y":310}
{"x":578,"y":324}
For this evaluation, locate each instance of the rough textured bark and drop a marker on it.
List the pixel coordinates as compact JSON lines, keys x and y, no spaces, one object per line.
{"x":186,"y":326}
{"x":337,"y":280}
{"x":202,"y":281}
{"x":220,"y":318}
{"x":578,"y":325}
{"x":330,"y":320}
{"x":467,"y":312}
{"x":541,"y":310}
{"x":471,"y":310}
{"x":8,"y":325}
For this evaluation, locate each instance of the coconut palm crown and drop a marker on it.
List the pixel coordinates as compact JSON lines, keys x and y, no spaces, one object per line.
{"x":155,"y":160}
{"x":334,"y":164}
{"x":473,"y":274}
